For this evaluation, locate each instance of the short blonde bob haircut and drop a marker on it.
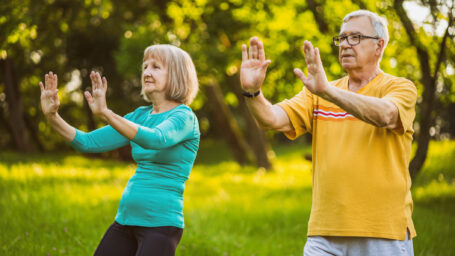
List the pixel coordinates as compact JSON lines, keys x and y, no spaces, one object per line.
{"x":182,"y":84}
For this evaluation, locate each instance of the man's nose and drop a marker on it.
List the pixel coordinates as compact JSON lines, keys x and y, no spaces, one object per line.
{"x":344,"y":44}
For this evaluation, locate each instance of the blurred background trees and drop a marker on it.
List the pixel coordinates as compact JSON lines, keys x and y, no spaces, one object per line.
{"x":71,"y":38}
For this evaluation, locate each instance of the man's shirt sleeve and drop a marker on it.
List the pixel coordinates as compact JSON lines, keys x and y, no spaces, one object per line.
{"x":403,"y":94}
{"x":300,"y":112}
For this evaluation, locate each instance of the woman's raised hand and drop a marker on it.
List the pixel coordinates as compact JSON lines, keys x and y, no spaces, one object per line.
{"x":254,"y":66}
{"x":49,"y":95}
{"x":97,"y":99}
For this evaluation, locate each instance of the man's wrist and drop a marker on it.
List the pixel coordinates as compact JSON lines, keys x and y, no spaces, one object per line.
{"x":327,"y":93}
{"x":251,"y":94}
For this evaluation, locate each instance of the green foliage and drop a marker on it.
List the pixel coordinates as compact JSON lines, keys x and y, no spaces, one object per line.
{"x":74,"y":37}
{"x":62,"y":204}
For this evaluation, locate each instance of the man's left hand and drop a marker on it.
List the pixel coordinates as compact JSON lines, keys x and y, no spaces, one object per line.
{"x":316,"y":81}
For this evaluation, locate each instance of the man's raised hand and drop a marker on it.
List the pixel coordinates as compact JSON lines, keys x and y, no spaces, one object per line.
{"x":316,"y":81}
{"x":254,"y":66}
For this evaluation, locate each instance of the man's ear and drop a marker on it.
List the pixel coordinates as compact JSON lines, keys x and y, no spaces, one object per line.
{"x":380,"y":46}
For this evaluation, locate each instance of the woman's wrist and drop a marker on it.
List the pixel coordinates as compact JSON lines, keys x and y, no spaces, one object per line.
{"x":106,"y":114}
{"x":51,"y":116}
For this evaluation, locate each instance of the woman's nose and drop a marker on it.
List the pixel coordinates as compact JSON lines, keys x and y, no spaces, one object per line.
{"x":147,"y":71}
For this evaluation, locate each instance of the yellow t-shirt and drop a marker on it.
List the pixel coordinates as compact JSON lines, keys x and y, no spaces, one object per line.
{"x":361,"y":182}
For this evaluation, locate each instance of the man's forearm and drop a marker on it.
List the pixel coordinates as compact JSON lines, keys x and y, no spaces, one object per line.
{"x":376,"y":111}
{"x":261,"y":109}
{"x":268,"y":116}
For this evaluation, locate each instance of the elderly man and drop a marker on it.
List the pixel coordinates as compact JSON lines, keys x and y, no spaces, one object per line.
{"x":362,"y":134}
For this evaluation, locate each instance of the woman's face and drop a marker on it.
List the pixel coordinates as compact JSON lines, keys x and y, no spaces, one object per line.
{"x":154,"y":76}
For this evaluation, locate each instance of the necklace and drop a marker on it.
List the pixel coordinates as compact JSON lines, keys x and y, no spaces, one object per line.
{"x":376,"y":73}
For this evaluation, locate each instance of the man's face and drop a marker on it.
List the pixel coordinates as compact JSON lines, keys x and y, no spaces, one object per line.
{"x":367,"y":52}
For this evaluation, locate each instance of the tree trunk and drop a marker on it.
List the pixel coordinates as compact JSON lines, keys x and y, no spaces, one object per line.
{"x":361,"y":4}
{"x":323,"y":26}
{"x":15,"y":107}
{"x":428,"y":81}
{"x":254,"y":134}
{"x":226,"y":122}
{"x":32,"y":129}
{"x":7,"y":127}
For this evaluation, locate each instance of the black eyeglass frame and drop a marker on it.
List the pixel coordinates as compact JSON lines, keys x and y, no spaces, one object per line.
{"x":359,"y":36}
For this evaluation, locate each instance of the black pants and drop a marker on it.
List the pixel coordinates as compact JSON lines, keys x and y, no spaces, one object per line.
{"x":138,"y":241}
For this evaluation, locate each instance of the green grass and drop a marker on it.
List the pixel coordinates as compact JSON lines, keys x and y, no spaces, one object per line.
{"x":62,"y":204}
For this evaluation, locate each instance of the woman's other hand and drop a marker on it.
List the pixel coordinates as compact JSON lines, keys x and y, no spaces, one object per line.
{"x":97,"y":99}
{"x":49,"y":95}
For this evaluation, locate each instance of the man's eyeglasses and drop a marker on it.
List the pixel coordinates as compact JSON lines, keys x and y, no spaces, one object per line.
{"x":351,"y":39}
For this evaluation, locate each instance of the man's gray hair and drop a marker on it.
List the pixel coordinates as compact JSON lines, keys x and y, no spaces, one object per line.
{"x":379,"y":23}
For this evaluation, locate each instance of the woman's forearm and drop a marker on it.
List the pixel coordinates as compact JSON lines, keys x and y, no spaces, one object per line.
{"x":120,"y":124}
{"x":61,"y":127}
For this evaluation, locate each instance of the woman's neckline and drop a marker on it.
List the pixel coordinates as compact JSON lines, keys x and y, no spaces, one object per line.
{"x":161,"y":113}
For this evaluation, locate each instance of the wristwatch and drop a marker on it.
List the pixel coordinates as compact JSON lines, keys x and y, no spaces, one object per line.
{"x":251,"y":95}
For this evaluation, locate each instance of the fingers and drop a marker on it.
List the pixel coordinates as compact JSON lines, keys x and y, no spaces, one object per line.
{"x":93,"y":79}
{"x":265,"y":64}
{"x":309,"y":52}
{"x":104,"y":83}
{"x":97,"y":82}
{"x":54,"y":96}
{"x":46,"y":81}
{"x":261,"y":52}
{"x":299,"y":73}
{"x":252,"y":45}
{"x":41,"y":86}
{"x":50,"y":81}
{"x":317,"y":56}
{"x":89,"y":97}
{"x":244,"y":53}
{"x":254,"y":48}
{"x":256,"y":51}
{"x":54,"y":81}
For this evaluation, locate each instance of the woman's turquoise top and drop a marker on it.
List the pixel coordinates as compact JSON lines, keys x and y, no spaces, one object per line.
{"x":164,"y":149}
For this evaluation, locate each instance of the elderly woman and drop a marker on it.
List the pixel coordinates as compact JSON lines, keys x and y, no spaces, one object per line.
{"x":164,"y":139}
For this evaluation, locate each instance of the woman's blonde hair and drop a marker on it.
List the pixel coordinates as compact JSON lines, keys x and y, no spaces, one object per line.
{"x":182,"y":84}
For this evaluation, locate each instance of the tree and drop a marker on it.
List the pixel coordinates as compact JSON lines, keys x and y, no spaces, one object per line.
{"x":429,"y":75}
{"x":72,"y":37}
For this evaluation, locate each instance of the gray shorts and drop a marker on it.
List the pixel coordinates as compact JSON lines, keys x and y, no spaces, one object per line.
{"x":357,"y":246}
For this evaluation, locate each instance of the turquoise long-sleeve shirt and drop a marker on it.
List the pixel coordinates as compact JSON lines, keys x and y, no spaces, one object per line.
{"x":164,"y":149}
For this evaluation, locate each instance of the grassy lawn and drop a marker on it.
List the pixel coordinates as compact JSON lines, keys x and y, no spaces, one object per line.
{"x":62,"y":204}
